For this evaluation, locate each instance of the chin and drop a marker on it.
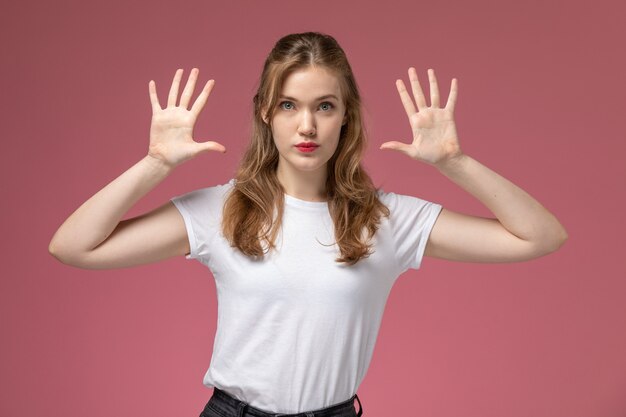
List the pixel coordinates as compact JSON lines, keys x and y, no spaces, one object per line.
{"x":308,"y":167}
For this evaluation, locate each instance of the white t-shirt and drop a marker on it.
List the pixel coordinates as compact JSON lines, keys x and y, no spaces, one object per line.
{"x":296,"y":331}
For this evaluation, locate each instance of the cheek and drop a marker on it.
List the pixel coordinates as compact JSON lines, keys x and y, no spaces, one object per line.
{"x":329,"y":127}
{"x":280,"y":128}
{"x":338,"y":138}
{"x":280,"y":139}
{"x":337,"y":130}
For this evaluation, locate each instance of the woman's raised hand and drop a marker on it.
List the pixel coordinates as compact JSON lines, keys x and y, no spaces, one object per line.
{"x":435,"y":140}
{"x":171,"y":130}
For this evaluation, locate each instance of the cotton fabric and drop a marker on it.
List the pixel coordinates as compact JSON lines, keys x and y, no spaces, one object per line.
{"x":296,"y":330}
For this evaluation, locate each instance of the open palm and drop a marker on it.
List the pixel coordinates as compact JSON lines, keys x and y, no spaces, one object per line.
{"x":171,"y":129}
{"x":435,"y":139}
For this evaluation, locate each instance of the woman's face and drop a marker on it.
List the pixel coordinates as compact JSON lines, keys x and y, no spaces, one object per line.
{"x":310,"y":110}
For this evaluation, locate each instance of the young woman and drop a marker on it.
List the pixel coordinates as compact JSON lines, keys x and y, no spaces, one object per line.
{"x":304,"y":249}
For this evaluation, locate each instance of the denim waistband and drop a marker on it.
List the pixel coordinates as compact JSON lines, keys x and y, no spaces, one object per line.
{"x":233,"y":406}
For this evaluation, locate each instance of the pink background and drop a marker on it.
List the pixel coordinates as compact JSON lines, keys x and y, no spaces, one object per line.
{"x":541,"y":93}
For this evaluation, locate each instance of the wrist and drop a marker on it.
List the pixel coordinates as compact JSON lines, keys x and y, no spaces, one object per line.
{"x":157,"y":165}
{"x":452,"y":164}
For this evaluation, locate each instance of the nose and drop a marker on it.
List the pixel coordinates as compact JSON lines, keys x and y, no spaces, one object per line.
{"x":307,"y":124}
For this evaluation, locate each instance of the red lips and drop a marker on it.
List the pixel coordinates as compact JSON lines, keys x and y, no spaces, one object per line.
{"x":307,"y":145}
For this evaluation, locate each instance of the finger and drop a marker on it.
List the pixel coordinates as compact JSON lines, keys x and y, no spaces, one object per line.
{"x":418,"y":93}
{"x":409,"y":107}
{"x":453,"y":95}
{"x":396,"y":146}
{"x":156,"y":106}
{"x":198,"y":105}
{"x":434,"y":89}
{"x":189,"y":87}
{"x":171,"y":99}
{"x":211,"y":146}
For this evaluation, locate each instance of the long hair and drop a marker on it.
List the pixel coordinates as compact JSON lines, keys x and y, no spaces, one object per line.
{"x":253,"y":210}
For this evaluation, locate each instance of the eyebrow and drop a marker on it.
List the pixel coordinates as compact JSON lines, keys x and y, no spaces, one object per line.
{"x":317,"y":99}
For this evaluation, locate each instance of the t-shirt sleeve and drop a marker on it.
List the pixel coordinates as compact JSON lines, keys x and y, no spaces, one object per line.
{"x":411,"y":220}
{"x":201,"y":210}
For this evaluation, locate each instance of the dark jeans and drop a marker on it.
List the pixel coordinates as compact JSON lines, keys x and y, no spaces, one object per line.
{"x":223,"y":404}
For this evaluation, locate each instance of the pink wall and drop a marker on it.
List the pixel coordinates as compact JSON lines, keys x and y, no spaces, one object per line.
{"x":541,"y":92}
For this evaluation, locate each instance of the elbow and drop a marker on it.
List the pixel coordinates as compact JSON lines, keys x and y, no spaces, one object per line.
{"x":63,"y":256}
{"x":558,"y":243}
{"x":54,"y":247}
{"x":564,"y":236}
{"x":54,"y":251}
{"x":553,"y":242}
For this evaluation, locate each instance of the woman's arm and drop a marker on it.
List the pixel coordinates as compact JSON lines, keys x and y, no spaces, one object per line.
{"x":98,"y":218}
{"x":93,"y":236}
{"x":523,"y":229}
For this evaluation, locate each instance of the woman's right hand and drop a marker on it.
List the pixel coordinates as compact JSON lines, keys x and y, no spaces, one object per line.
{"x":171,"y":130}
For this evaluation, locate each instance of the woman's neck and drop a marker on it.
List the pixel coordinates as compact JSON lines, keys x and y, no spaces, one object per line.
{"x":304,"y":185}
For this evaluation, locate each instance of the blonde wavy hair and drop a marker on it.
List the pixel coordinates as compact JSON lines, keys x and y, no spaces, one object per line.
{"x":253,"y":209}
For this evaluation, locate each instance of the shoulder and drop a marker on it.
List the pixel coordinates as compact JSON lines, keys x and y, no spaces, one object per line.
{"x":395,"y":201}
{"x":221,"y":189}
{"x":407,"y":210}
{"x":210,"y":198}
{"x":211,"y":191}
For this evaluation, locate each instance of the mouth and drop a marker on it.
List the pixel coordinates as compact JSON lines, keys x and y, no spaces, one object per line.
{"x":307,"y":146}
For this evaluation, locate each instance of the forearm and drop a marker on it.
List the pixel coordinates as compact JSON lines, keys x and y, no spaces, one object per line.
{"x":516,"y":210}
{"x":97,"y":217}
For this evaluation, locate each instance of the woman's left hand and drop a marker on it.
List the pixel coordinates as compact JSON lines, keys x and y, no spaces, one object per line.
{"x":435,"y":140}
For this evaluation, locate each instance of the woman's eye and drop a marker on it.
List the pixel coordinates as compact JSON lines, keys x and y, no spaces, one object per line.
{"x":328,"y":106}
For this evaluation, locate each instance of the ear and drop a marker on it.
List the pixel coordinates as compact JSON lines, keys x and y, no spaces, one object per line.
{"x":264,"y":115}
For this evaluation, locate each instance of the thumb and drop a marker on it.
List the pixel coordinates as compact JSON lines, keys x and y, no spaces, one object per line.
{"x":210,"y":146}
{"x":396,"y":146}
